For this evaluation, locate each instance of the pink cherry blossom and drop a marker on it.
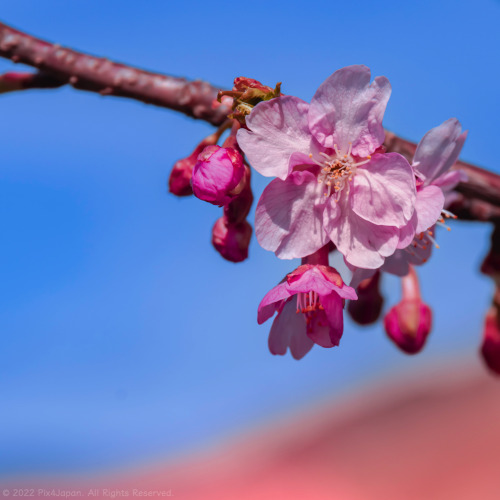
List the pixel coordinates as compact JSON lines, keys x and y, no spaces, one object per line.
{"x":329,"y":186}
{"x":309,"y":306}
{"x":435,"y":155}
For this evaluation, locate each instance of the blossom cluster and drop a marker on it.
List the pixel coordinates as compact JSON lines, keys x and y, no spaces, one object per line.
{"x":336,"y":188}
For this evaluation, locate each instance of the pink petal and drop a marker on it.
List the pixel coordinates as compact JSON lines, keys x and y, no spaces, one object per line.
{"x":439,"y":149}
{"x":289,"y":330}
{"x":217,"y":172}
{"x":383,"y":190}
{"x":407,"y":233}
{"x":288,"y":218}
{"x":430,"y":202}
{"x":278,"y":128}
{"x":359,"y":275}
{"x":298,"y":159}
{"x":319,"y":329}
{"x":362,"y":243}
{"x":397,"y":263}
{"x":420,"y":255}
{"x":268,"y":305}
{"x":314,"y":280}
{"x":449,"y":180}
{"x":346,"y":108}
{"x":321,"y":279}
{"x":333,"y":276}
{"x":334,"y":312}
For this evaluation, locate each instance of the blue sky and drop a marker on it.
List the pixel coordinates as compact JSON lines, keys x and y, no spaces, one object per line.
{"x":124,"y":336}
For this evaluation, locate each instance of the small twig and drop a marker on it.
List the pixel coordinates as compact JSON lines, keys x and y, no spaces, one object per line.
{"x":10,"y":82}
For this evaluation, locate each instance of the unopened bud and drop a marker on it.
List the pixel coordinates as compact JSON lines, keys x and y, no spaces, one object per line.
{"x":231,"y":240}
{"x":491,"y":263}
{"x":490,"y":349}
{"x":218,"y":174}
{"x":179,"y":182}
{"x":246,"y":94}
{"x":238,"y":209}
{"x":366,"y":310}
{"x":408,"y":323}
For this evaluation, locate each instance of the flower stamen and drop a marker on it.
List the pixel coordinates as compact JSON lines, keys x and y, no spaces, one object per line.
{"x":308,"y":302}
{"x":337,"y":170}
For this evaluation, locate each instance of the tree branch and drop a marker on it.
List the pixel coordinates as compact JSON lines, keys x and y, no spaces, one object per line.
{"x":85,"y":72}
{"x":479,"y":197}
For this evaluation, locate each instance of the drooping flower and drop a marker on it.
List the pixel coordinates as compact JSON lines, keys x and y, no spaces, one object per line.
{"x":332,"y":183}
{"x":409,"y":322}
{"x":309,"y":303}
{"x":435,"y":155}
{"x":218,"y":174}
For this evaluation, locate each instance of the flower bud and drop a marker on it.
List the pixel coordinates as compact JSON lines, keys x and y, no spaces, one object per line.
{"x":217,"y":175}
{"x":238,"y":209}
{"x":231,"y":240}
{"x":491,"y":263}
{"x":246,"y":94}
{"x":490,"y":349}
{"x":179,"y":182}
{"x":366,"y":310}
{"x":408,"y":323}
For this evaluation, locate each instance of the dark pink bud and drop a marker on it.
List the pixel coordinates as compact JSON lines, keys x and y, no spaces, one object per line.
{"x":408,"y":323}
{"x":231,"y":240}
{"x":490,"y":349}
{"x":218,"y":174}
{"x":491,"y":263}
{"x":238,"y":209}
{"x":242,"y":83}
{"x":179,"y":182}
{"x":366,"y":310}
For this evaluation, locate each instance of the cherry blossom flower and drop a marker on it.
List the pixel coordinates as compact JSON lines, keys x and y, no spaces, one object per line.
{"x":435,"y":155}
{"x":309,"y":303}
{"x":333,"y":183}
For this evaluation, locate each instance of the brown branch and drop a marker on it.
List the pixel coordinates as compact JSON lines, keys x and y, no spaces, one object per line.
{"x":85,"y":72}
{"x":479,"y":197}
